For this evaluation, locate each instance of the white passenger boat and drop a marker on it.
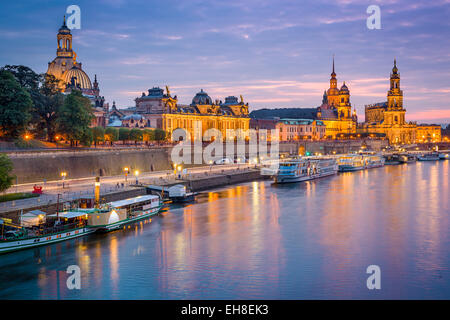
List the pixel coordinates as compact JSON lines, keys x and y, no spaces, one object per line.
{"x":373,"y":161}
{"x":57,"y":228}
{"x":304,"y":169}
{"x":351,"y":162}
{"x":76,"y":223}
{"x":428,"y":157}
{"x":116,"y":214}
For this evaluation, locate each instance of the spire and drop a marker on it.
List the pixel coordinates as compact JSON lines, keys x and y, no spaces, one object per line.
{"x":395,"y":69}
{"x":333,"y":74}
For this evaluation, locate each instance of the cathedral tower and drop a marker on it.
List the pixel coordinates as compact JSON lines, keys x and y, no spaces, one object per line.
{"x":333,"y":91}
{"x":395,"y":95}
{"x":395,"y":114}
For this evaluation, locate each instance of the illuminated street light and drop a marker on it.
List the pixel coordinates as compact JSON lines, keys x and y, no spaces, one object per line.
{"x":126,"y":170}
{"x":136,"y":174}
{"x":63,"y":177}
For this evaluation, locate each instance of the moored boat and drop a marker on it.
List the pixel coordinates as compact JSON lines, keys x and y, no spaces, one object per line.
{"x":428,"y":157}
{"x":116,"y":214}
{"x":351,"y":162}
{"x":373,"y":161}
{"x":298,"y":170}
{"x":392,"y":159}
{"x":444,"y":156}
{"x":57,"y":228}
{"x":407,"y":158}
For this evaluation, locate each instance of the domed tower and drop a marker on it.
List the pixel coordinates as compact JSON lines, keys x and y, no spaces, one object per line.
{"x":344,"y":107}
{"x":65,"y":56}
{"x":333,"y":91}
{"x":64,"y":39}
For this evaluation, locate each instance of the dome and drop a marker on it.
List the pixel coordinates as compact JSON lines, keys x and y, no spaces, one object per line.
{"x":82,"y":78}
{"x":201,"y":98}
{"x":64,"y":29}
{"x":344,"y":89}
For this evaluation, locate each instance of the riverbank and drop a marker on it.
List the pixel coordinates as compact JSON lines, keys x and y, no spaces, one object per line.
{"x":196,"y":182}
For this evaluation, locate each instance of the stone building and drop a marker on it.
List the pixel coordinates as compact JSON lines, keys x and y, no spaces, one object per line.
{"x":71,"y":75}
{"x":428,"y":133}
{"x":389,"y":117}
{"x":301,"y":129}
{"x":161,"y":110}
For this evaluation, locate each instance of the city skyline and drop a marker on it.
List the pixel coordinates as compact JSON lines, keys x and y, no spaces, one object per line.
{"x":262,"y":50}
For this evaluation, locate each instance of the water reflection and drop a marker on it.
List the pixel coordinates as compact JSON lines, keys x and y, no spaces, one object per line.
{"x":258,"y":240}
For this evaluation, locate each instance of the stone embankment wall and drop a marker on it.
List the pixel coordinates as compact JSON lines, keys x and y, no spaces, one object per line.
{"x":35,"y":167}
{"x":32,"y":167}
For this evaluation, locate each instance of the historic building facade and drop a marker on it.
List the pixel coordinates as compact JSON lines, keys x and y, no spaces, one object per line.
{"x":301,"y":129}
{"x":70,"y":74}
{"x":389,"y":117}
{"x":336,"y":110}
{"x":428,"y":133}
{"x":161,"y":110}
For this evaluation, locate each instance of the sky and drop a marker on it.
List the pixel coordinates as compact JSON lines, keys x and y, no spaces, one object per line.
{"x":276,"y":54}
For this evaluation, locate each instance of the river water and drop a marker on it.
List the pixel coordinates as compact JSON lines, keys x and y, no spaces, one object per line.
{"x":310,"y":240}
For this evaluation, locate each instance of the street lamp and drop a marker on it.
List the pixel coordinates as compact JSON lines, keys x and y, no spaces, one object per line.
{"x":63,"y":177}
{"x":126,"y":169}
{"x":136,"y":174}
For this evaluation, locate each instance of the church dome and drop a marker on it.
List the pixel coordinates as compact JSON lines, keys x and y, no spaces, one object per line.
{"x":344,"y":89}
{"x":81,"y":78}
{"x":202,"y":98}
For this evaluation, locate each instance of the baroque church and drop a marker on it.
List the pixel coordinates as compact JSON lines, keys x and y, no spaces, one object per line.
{"x":388,"y":117}
{"x":336,"y":110}
{"x":71,"y":75}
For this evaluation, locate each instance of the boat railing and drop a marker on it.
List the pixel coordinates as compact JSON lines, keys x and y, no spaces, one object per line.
{"x":48,"y":230}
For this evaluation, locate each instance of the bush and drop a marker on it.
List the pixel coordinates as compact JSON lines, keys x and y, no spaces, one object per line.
{"x":124,"y":134}
{"x":17,"y":196}
{"x":6,"y":178}
{"x":111,"y":135}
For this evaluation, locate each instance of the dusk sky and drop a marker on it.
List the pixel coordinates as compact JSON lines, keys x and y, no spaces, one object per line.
{"x":274,"y":53}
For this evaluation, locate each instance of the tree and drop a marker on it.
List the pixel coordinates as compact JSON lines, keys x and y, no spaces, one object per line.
{"x":6,"y":178}
{"x":135,"y":135}
{"x":87,"y":137}
{"x":148,"y":135}
{"x":111,"y":135}
{"x":98,"y":134}
{"x":75,"y":116}
{"x":45,"y":95}
{"x":15,"y":106}
{"x":124,"y":134}
{"x":160,"y":135}
{"x":46,"y":110}
{"x":27,"y":78}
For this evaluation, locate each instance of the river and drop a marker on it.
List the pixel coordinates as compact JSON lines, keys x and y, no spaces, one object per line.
{"x":311,"y":240}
